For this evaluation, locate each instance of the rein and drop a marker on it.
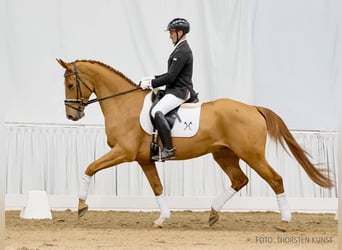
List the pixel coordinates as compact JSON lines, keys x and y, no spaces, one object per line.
{"x":79,"y":100}
{"x":111,"y":96}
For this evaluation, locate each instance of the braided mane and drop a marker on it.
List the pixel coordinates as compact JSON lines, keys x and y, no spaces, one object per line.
{"x":108,"y":67}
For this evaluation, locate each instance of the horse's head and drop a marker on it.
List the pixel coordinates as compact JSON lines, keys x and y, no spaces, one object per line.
{"x":77,"y":91}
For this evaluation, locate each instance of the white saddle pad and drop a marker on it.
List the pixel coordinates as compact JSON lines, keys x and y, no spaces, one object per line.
{"x":189,"y":114}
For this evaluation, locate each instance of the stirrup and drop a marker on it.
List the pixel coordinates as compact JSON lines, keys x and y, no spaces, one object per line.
{"x":166,"y":154}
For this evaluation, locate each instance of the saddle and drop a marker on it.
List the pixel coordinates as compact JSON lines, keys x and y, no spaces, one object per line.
{"x":173,"y":114}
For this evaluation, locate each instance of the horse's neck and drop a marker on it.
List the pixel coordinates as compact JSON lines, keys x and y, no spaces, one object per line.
{"x":126,"y":103}
{"x":119,"y":105}
{"x":106,"y":80}
{"x":108,"y":83}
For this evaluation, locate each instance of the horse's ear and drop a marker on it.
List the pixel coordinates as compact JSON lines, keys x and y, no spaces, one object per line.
{"x":62,"y":63}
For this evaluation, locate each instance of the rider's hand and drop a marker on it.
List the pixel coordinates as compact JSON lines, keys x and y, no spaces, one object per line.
{"x":145,"y":84}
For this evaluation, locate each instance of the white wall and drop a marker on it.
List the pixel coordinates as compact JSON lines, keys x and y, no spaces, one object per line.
{"x":3,"y":103}
{"x":297,"y":58}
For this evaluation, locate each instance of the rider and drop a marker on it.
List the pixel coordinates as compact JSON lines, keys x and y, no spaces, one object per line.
{"x":178,"y":82}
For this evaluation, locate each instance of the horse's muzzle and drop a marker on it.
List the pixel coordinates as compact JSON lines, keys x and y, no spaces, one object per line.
{"x":76,"y":116}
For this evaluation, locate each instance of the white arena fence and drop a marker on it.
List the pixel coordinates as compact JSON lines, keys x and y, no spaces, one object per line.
{"x":53,"y":157}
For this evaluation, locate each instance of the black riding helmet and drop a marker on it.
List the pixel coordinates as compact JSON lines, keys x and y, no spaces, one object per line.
{"x":179,"y":24}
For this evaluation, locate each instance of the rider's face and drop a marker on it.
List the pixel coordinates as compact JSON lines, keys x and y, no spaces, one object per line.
{"x":173,"y":35}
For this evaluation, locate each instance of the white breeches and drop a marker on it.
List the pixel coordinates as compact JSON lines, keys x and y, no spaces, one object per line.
{"x":166,"y":104}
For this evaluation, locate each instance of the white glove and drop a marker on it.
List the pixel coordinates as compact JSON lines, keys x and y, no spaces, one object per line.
{"x":145,"y":84}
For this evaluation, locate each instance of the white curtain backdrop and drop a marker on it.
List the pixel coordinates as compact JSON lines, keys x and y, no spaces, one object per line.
{"x":53,"y":158}
{"x":128,"y":35}
{"x":297,"y":58}
{"x":284,"y":54}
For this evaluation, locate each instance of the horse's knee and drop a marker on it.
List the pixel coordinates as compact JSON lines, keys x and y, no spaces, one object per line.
{"x":92,"y":169}
{"x":240,"y":182}
{"x":89,"y":171}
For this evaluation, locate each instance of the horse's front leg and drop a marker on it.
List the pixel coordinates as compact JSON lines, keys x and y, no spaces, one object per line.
{"x":152,"y":176}
{"x":114,"y":157}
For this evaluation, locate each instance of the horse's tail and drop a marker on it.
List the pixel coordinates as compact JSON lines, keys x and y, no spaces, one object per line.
{"x":278,"y":131}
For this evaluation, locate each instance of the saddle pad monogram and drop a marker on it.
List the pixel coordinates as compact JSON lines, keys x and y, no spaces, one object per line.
{"x":188,"y":113}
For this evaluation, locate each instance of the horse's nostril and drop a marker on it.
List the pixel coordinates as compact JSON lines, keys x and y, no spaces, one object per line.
{"x":70,"y":117}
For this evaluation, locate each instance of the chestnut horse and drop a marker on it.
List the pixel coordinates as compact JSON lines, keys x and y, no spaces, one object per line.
{"x":229,"y":130}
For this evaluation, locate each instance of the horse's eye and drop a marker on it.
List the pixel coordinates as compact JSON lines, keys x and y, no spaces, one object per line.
{"x":70,"y":85}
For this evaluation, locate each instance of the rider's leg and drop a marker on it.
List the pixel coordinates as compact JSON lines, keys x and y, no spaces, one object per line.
{"x":165,"y":105}
{"x":164,"y":131}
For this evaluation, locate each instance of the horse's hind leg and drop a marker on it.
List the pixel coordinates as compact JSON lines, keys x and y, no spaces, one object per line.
{"x":229,"y":162}
{"x":261,"y":166}
{"x":152,"y":176}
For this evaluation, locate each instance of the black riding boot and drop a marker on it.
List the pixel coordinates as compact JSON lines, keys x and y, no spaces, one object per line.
{"x":164,"y":131}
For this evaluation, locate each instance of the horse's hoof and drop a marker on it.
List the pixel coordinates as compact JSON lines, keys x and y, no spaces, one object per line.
{"x":82,"y":211}
{"x":213,"y":217}
{"x":282,"y":227}
{"x":158,"y":223}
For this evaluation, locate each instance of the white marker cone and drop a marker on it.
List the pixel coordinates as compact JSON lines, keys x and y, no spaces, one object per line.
{"x":37,"y":206}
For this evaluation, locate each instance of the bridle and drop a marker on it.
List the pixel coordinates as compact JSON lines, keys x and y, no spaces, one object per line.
{"x":82,"y":102}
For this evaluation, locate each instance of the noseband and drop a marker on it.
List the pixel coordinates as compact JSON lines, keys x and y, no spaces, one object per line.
{"x":79,"y":97}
